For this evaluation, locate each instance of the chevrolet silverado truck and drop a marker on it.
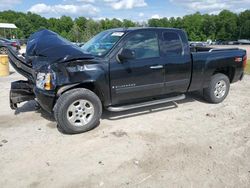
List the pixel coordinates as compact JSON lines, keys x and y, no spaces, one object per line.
{"x":119,"y":69}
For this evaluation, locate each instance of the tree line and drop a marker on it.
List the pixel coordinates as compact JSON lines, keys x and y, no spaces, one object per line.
{"x":200,"y":27}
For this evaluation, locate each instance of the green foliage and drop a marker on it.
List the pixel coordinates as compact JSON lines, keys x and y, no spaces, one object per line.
{"x":25,"y":26}
{"x":244,"y":24}
{"x":224,"y":26}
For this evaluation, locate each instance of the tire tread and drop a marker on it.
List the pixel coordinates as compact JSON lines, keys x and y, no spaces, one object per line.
{"x":208,"y":92}
{"x":64,"y":101}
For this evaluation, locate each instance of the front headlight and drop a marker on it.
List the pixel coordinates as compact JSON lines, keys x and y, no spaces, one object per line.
{"x":45,"y":81}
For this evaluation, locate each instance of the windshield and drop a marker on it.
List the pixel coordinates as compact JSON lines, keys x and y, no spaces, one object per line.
{"x":102,"y":43}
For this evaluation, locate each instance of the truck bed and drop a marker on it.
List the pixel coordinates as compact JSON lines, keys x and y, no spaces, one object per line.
{"x":209,"y":49}
{"x":207,"y":60}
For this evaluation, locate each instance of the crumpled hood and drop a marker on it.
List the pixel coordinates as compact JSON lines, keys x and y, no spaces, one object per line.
{"x":50,"y":46}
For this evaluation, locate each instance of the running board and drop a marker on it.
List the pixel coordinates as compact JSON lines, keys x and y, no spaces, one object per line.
{"x":145,"y":104}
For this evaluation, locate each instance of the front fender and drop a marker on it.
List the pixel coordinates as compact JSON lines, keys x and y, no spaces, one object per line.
{"x":63,"y":89}
{"x":84,"y":74}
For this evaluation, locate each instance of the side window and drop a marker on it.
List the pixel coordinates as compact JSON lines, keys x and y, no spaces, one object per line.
{"x":172,"y":44}
{"x":145,"y":45}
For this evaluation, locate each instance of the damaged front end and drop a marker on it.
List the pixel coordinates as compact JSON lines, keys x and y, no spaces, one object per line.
{"x":20,"y":91}
{"x":45,"y":51}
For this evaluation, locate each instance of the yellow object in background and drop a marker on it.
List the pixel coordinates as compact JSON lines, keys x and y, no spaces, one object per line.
{"x":4,"y":65}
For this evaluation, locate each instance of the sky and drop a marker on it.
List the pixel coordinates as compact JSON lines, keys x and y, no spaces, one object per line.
{"x":136,"y":10}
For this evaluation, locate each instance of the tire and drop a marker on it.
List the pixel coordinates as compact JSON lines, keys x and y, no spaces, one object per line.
{"x":73,"y":120}
{"x":218,"y":89}
{"x":3,"y":51}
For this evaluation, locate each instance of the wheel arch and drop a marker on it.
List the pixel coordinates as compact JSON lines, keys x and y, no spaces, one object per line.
{"x":90,"y":85}
{"x":228,"y":71}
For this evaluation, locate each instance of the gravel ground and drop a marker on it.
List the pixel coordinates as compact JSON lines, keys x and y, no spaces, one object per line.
{"x":191,"y":144}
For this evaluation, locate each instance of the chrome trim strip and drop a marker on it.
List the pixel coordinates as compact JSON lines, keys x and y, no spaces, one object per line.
{"x":139,"y":88}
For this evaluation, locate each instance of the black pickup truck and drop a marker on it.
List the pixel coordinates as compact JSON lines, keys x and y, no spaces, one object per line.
{"x":119,"y":69}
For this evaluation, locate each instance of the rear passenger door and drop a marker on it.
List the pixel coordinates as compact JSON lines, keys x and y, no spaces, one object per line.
{"x":177,"y":59}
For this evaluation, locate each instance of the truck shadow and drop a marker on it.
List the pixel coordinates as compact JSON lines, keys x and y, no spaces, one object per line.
{"x":31,"y":106}
{"x":190,"y":97}
{"x":138,"y":112}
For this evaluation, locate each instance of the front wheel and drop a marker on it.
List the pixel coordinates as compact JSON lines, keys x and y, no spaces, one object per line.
{"x":78,"y":111}
{"x":218,"y":88}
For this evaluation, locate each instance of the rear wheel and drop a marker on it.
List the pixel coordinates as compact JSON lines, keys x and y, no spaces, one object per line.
{"x":218,"y":88}
{"x":77,"y":111}
{"x":3,"y":51}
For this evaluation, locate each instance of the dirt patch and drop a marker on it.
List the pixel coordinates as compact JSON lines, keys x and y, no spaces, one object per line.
{"x":119,"y":133}
{"x":192,"y":144}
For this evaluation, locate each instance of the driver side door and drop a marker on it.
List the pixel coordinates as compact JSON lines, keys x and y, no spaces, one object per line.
{"x":139,"y":77}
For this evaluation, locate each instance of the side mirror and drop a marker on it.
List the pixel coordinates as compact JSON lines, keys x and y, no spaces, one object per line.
{"x":126,"y":54}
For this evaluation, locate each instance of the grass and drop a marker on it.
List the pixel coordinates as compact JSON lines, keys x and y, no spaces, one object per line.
{"x":248,"y":67}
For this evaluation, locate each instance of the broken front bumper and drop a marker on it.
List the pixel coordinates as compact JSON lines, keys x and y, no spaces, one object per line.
{"x":22,"y":91}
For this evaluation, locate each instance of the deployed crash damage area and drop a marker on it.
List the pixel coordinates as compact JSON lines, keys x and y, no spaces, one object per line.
{"x":118,"y":69}
{"x":52,"y":66}
{"x":44,"y":54}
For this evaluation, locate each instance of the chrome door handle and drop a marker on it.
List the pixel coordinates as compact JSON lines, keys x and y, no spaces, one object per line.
{"x":157,"y":67}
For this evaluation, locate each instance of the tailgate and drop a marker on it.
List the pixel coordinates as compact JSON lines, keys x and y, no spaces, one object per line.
{"x":20,"y":65}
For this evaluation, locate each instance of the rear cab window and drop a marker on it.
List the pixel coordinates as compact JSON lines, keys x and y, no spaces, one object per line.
{"x":171,"y":44}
